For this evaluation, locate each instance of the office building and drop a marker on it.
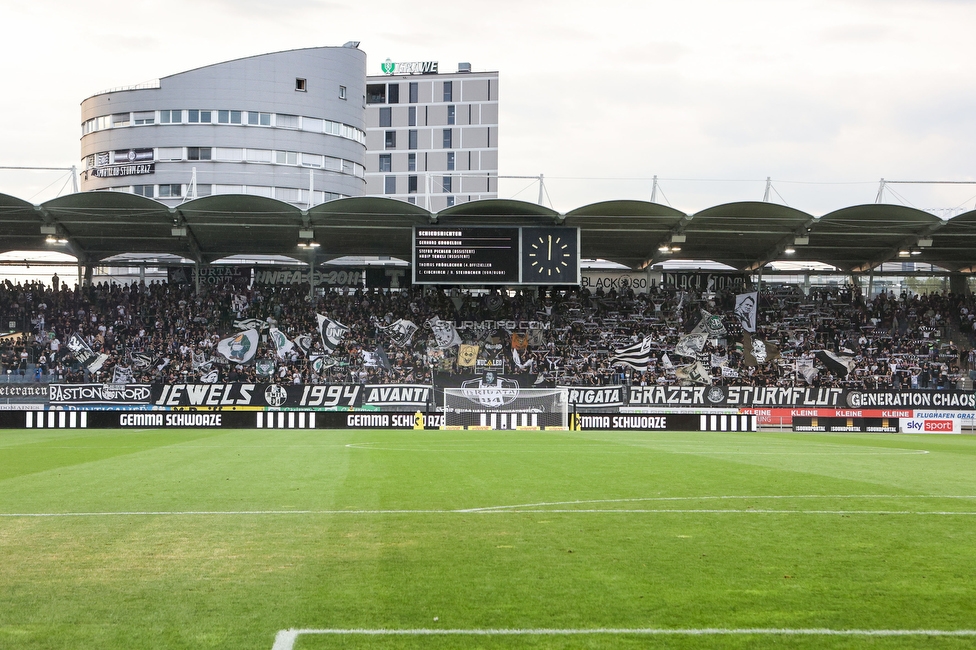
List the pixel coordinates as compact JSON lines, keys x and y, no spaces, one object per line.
{"x":432,"y":137}
{"x":286,"y":125}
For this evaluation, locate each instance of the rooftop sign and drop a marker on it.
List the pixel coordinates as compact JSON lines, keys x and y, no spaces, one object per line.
{"x":409,"y":67}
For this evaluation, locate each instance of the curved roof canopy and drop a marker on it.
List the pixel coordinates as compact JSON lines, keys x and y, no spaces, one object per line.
{"x":746,"y":235}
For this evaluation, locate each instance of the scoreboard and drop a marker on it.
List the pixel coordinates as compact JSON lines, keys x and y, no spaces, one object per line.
{"x":503,"y":255}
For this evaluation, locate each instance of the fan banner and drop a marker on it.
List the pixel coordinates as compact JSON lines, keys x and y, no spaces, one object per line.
{"x":708,"y":282}
{"x":596,"y":397}
{"x":839,"y":401}
{"x":746,"y":309}
{"x":488,"y":379}
{"x":238,"y":395}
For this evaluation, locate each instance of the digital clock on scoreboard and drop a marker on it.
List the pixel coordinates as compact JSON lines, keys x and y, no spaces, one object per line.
{"x":550,"y":256}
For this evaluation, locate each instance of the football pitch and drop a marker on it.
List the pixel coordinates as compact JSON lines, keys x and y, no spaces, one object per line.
{"x":305,"y":539}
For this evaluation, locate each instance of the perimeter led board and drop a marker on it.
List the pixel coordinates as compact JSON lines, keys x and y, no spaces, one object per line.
{"x":484,"y":255}
{"x":466,"y":255}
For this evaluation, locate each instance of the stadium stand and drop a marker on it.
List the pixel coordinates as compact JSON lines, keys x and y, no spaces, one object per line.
{"x":165,"y":333}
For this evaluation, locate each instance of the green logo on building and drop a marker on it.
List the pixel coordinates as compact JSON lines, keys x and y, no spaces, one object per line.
{"x":388,"y":67}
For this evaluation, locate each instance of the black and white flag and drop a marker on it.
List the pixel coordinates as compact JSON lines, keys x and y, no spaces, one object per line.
{"x":445,"y":334}
{"x":304,"y":343}
{"x":251,"y":324}
{"x":331,"y":332}
{"x":746,"y":308}
{"x":835,"y":363}
{"x":690,"y":345}
{"x":636,"y":356}
{"x":141,"y":360}
{"x":84,"y":354}
{"x":400,"y":331}
{"x":122,"y":375}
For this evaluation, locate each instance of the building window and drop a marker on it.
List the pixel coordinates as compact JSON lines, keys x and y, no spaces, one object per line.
{"x":146,"y":117}
{"x":284,"y":121}
{"x":342,"y":92}
{"x":393,"y":94}
{"x":170,"y":117}
{"x":375,"y":93}
{"x":448,"y":91}
{"x":412,"y":200}
{"x":198,"y":117}
{"x":411,"y":185}
{"x":301,"y":85}
{"x":450,"y":161}
{"x":258,"y":119}
{"x":198,"y":153}
{"x":450,"y":114}
{"x":257,"y":155}
{"x":170,"y":191}
{"x":414,"y":91}
{"x":446,"y":184}
{"x":143,"y":190}
{"x":313,"y":160}
{"x":389,"y":185}
{"x":412,"y":162}
{"x":120,"y":119}
{"x":386,"y":162}
{"x":412,"y":116}
{"x":448,"y":139}
{"x":412,"y":139}
{"x":450,"y":201}
{"x":386,"y":116}
{"x":229,"y":117}
{"x":391,"y":139}
{"x":286,"y":157}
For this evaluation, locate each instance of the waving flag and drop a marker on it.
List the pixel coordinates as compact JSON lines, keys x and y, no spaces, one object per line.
{"x":239,"y":348}
{"x":636,"y":356}
{"x":281,"y":343}
{"x":331,"y":332}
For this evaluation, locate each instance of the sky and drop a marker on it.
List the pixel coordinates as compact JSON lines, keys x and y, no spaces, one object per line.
{"x":825,"y":98}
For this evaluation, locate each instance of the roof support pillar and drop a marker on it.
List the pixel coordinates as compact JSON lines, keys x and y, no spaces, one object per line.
{"x":311,"y":274}
{"x":196,"y":277}
{"x":959,"y":284}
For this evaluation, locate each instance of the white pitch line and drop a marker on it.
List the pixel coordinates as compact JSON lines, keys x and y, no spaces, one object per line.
{"x":285,"y":639}
{"x":704,"y":498}
{"x":567,"y":511}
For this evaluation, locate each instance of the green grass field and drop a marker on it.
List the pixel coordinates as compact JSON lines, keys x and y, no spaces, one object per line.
{"x":222,"y":539}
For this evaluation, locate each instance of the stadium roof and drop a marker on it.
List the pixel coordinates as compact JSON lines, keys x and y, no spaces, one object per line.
{"x":746,"y":236}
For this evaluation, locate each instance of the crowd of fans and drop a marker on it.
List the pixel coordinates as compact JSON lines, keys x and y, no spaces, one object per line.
{"x":167,"y":333}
